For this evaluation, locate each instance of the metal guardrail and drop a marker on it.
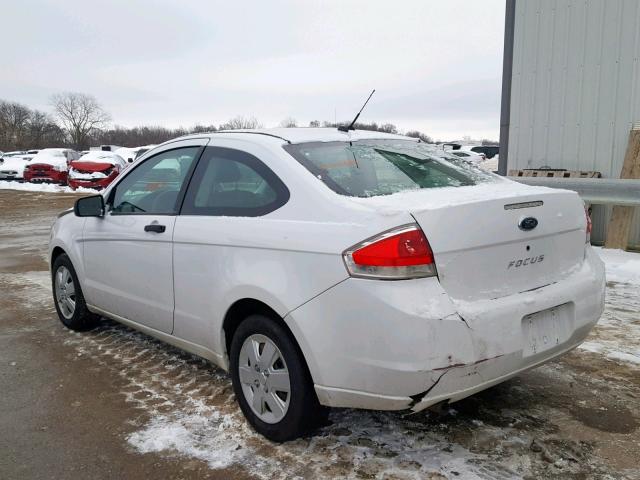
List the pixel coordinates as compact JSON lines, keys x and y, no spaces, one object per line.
{"x":598,"y":191}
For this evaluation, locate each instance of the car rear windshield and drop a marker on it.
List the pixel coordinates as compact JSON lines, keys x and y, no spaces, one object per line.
{"x":382,"y":167}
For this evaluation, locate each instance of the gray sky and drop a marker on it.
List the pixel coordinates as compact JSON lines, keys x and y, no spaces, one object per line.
{"x":435,"y":64}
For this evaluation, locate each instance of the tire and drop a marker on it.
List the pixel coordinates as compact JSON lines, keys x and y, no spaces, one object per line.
{"x":79,"y":317}
{"x":303,"y":412}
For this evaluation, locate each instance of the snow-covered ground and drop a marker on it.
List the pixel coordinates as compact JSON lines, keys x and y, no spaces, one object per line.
{"x":191,"y":412}
{"x":618,"y":331}
{"x":622,"y":267}
{"x":566,"y":419}
{"x":41,"y":187}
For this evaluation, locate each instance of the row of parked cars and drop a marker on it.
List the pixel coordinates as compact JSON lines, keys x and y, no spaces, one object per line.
{"x":95,"y":168}
{"x":472,"y":153}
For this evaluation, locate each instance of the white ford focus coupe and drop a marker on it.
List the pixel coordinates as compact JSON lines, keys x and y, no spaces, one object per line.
{"x":325,"y":268}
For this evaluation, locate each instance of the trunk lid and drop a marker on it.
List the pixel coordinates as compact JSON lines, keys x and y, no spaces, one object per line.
{"x":482,"y":253}
{"x":90,"y":167}
{"x":41,"y":167}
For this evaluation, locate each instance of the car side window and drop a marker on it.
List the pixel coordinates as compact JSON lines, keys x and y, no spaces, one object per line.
{"x":154,"y":186}
{"x":230,"y":182}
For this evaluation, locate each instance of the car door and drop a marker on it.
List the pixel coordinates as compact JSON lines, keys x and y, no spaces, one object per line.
{"x":229,"y":189}
{"x":128,"y":252}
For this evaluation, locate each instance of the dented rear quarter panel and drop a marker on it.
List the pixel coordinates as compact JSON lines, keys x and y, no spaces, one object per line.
{"x":414,"y":346}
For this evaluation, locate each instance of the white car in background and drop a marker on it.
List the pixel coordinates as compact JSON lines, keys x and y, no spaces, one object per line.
{"x":12,"y":165}
{"x":328,"y":268}
{"x":131,"y":153}
{"x":30,"y":154}
{"x":15,"y":153}
{"x":469,"y":156}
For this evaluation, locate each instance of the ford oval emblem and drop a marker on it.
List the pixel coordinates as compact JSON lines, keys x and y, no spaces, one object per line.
{"x":528,"y":223}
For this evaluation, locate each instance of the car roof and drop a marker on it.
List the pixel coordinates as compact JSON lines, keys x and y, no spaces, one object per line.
{"x":100,"y":154}
{"x":301,"y":135}
{"x":45,"y":150}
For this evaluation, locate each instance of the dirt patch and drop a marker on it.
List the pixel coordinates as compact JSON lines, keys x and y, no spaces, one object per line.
{"x":612,"y":419}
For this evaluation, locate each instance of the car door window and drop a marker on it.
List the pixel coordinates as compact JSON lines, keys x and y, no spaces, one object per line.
{"x":154,"y":186}
{"x":233,"y":183}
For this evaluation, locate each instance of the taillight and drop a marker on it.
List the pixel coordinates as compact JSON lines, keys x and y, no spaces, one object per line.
{"x":397,"y":254}
{"x":589,"y":224}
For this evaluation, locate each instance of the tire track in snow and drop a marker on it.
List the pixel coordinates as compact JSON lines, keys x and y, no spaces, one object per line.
{"x":188,"y":408}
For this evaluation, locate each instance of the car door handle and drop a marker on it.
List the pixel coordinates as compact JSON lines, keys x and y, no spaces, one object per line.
{"x":154,"y":227}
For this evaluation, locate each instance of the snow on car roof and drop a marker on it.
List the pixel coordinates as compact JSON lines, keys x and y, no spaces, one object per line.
{"x":51,"y":152}
{"x":13,"y":162}
{"x":303,"y":135}
{"x":51,"y":156}
{"x":100,"y":155}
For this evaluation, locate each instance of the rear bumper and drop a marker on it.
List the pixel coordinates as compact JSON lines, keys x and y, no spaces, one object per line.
{"x":400,"y":345}
{"x":51,"y":176}
{"x":94,"y":183}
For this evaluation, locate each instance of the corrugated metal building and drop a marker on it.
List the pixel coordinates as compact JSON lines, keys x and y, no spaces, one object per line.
{"x":571,"y":88}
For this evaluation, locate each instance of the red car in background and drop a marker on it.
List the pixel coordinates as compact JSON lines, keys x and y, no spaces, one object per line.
{"x":50,"y":165}
{"x":96,"y":169}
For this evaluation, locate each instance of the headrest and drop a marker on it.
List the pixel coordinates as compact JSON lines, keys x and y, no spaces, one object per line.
{"x":228,"y":171}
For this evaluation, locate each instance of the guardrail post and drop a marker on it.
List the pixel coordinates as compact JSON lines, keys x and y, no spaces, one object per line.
{"x":622,"y":216}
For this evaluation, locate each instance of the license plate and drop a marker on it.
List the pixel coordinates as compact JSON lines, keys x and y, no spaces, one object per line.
{"x":546,"y":329}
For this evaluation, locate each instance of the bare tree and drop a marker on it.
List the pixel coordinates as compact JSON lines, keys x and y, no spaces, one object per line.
{"x":314,"y":123}
{"x":241,"y":123}
{"x":203,"y":128}
{"x":81,"y":116}
{"x":417,"y":134}
{"x":289,"y":122}
{"x":22,"y":128}
{"x":14,"y":122}
{"x":388,"y":128}
{"x":144,"y":135}
{"x":43,"y":132}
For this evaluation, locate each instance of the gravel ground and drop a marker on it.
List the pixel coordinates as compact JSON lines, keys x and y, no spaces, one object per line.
{"x":114,"y":403}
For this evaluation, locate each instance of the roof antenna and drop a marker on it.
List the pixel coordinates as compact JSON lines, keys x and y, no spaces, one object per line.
{"x":344,"y":128}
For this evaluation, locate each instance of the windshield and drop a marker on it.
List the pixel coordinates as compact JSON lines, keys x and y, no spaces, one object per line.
{"x":382,"y":167}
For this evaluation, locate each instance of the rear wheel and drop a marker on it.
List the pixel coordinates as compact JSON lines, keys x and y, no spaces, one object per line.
{"x":67,"y":296}
{"x":271,"y":382}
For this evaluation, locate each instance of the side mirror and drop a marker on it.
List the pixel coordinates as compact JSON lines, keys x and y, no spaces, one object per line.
{"x":92,"y":206}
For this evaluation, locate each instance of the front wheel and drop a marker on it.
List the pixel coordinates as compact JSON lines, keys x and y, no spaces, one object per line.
{"x":67,"y":296}
{"x":271,"y":382}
